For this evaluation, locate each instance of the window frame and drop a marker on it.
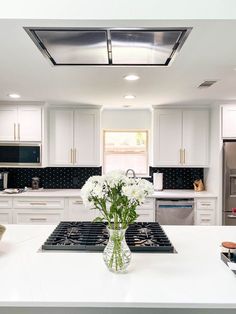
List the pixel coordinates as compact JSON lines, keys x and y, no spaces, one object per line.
{"x":126,"y":131}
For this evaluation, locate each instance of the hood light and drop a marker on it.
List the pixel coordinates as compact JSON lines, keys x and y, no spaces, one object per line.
{"x":131,"y":77}
{"x":129,"y":96}
{"x":15,"y":96}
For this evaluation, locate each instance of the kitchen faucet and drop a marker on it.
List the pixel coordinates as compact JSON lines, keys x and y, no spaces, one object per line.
{"x":133,"y":173}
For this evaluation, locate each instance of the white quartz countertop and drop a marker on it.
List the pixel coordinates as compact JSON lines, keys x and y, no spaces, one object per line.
{"x":76,"y":193}
{"x":182,"y":194}
{"x":195,"y":277}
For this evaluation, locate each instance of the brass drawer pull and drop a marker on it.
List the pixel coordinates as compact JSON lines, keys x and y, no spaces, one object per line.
{"x":77,"y":202}
{"x":38,"y":203}
{"x":38,"y":219}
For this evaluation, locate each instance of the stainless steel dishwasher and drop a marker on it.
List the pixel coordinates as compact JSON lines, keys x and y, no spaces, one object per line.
{"x":175,"y":211}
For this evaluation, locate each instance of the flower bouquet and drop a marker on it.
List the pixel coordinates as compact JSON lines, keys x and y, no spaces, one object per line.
{"x":116,"y":196}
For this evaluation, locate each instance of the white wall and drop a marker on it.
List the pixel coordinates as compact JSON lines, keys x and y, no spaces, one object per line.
{"x":126,"y":119}
{"x":119,"y":9}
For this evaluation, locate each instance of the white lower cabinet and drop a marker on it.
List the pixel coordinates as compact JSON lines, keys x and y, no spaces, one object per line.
{"x":78,"y":212}
{"x":146,"y":211}
{"x":40,"y":216}
{"x":205,"y":213}
{"x":38,"y":210}
{"x":6,"y":210}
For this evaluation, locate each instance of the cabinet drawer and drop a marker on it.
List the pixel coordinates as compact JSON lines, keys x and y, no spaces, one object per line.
{"x":206,"y":204}
{"x":5,"y":217}
{"x":148,"y":204}
{"x":146,"y":215}
{"x":38,"y":203}
{"x":205,"y":218}
{"x":75,"y":202}
{"x":77,"y":211}
{"x":37,"y":217}
{"x":5,"y":202}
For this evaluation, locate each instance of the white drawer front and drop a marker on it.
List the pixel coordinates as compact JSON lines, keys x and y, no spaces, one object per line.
{"x":206,"y":204}
{"x":205,"y":218}
{"x":5,"y":217}
{"x":149,"y":203}
{"x":5,"y":202}
{"x":78,"y":212}
{"x":75,"y":202}
{"x":37,"y":217}
{"x":146,"y":215}
{"x":57,"y":203}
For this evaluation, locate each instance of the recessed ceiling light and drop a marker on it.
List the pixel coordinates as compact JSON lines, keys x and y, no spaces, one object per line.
{"x":131,"y":77}
{"x":14,"y":95}
{"x":129,"y":96}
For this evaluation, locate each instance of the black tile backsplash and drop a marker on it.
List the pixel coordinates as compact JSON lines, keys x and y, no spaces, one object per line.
{"x":72,"y":178}
{"x":178,"y":178}
{"x":51,"y":177}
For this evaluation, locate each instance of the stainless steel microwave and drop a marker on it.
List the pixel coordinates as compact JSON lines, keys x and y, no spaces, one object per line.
{"x":20,"y":154}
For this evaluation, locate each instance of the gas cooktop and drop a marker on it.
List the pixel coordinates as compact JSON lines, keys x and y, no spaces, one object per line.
{"x":90,"y":236}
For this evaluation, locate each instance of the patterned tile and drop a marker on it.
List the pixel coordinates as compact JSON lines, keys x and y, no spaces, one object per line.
{"x":74,"y":178}
{"x":178,"y":178}
{"x":52,"y":177}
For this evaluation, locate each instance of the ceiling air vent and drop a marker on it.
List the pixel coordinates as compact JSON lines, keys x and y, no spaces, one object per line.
{"x":206,"y":84}
{"x":109,"y":46}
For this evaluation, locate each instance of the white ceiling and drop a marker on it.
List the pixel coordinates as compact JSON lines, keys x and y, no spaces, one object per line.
{"x":209,"y":53}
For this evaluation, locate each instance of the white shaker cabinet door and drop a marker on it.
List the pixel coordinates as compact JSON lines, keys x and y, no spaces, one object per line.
{"x":229,"y":121}
{"x":29,"y":124}
{"x":61,"y":137}
{"x":167,"y":137}
{"x":86,"y":137}
{"x":195,"y":137}
{"x":8,"y":123}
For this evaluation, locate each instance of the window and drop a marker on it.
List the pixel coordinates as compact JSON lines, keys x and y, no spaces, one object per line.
{"x":124,"y":150}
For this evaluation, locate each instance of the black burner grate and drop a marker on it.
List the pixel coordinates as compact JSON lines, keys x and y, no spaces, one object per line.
{"x":89,"y":236}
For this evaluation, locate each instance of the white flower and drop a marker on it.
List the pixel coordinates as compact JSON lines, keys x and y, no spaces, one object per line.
{"x":115,"y":188}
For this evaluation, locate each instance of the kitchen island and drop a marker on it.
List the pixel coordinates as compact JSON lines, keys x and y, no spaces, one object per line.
{"x":193,"y":280}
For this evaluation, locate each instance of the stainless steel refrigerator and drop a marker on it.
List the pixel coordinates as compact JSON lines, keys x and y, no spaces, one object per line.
{"x":229,"y":183}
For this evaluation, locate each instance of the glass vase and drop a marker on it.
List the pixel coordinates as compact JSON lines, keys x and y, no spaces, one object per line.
{"x":117,"y":254}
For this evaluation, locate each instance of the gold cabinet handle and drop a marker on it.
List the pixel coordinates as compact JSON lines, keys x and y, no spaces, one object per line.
{"x":180,"y":156}
{"x":14,"y":131}
{"x":71,"y":155}
{"x":18,"y":131}
{"x":38,"y":219}
{"x":77,"y":202}
{"x":38,"y":203}
{"x":184,"y":156}
{"x":75,"y":161}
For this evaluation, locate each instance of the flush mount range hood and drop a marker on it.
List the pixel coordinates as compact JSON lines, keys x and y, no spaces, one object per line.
{"x":110,"y":47}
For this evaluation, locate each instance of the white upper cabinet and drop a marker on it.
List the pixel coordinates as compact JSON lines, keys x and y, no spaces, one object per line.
{"x":61,"y":137}
{"x":86,"y":137}
{"x":8,"y":123}
{"x":181,"y":138}
{"x":29,"y":123}
{"x":195,"y":143}
{"x":167,"y":137}
{"x":20,"y":123}
{"x":229,"y":121}
{"x":74,"y":137}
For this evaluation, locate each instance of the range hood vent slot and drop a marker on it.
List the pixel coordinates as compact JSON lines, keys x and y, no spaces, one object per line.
{"x":207,"y":84}
{"x":113,"y":47}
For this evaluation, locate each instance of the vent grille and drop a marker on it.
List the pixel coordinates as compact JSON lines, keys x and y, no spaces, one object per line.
{"x":206,"y":84}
